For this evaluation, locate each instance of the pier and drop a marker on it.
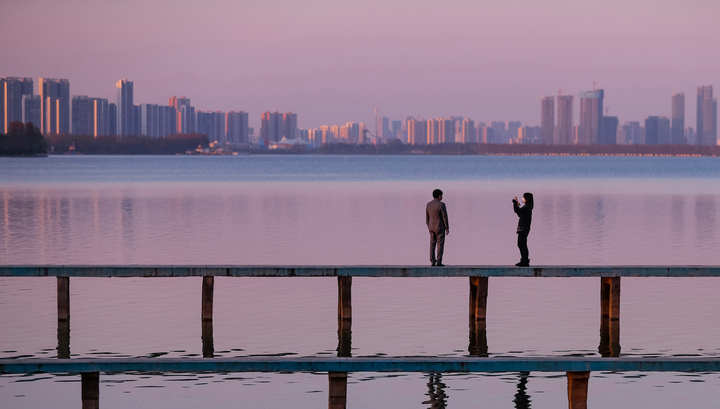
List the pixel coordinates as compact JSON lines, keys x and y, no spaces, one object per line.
{"x":578,"y":370}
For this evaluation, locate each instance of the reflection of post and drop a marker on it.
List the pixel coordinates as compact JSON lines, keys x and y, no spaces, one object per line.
{"x":609,"y":337}
{"x":522,"y":400}
{"x":577,"y":389}
{"x":610,"y":297}
{"x":208,"y":343}
{"x":436,"y":392}
{"x":208,"y":287}
{"x":63,"y":336}
{"x":90,"y":390}
{"x":338,"y":390}
{"x":63,"y":298}
{"x":478,"y":298}
{"x":478,"y":338}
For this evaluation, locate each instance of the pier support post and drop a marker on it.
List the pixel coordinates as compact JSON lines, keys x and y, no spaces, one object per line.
{"x":208,"y":288}
{"x":208,"y":342}
{"x":577,"y":389}
{"x":338,"y":390}
{"x":478,"y":298}
{"x":609,"y":337}
{"x":90,"y":390}
{"x":63,"y":338}
{"x":344,"y":348}
{"x":63,"y":298}
{"x":478,"y":345}
{"x":610,"y":297}
{"x":345,"y":298}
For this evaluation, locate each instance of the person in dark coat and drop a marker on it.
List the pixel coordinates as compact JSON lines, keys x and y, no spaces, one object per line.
{"x":523,"y":228}
{"x":436,"y":219}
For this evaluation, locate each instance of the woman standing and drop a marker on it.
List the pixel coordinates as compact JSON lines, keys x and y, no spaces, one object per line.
{"x":523,"y":228}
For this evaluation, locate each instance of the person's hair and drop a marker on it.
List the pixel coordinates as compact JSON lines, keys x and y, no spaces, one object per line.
{"x":529,"y":199}
{"x":437,"y":193}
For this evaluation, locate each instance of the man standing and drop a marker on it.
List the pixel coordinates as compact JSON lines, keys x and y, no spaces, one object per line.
{"x":436,"y":219}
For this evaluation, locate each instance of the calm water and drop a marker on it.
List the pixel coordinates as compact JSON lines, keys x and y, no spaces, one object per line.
{"x":311,"y":210}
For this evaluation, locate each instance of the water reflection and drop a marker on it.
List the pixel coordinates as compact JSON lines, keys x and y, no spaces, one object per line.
{"x":522,"y":399}
{"x":478,"y":345}
{"x":437,"y":398}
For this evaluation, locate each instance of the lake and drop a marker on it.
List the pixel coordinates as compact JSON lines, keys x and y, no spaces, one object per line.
{"x":357,"y":210}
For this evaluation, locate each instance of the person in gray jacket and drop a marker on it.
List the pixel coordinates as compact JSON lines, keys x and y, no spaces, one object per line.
{"x":436,"y":219}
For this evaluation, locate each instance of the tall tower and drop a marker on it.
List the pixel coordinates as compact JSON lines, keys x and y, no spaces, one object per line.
{"x":706,"y":116}
{"x":125,"y":108}
{"x":565,"y":120}
{"x":591,"y":114}
{"x":547,"y":120}
{"x":678,"y":119}
{"x":55,"y":105}
{"x":12,"y":91}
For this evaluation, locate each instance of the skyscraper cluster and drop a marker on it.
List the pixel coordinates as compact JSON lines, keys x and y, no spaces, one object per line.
{"x":55,"y":111}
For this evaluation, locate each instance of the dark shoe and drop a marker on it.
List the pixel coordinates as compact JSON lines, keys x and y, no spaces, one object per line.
{"x":432,"y":263}
{"x":439,"y":264}
{"x":523,"y":263}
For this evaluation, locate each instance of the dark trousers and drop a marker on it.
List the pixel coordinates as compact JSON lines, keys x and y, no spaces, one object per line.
{"x":437,"y":238}
{"x":522,"y":245}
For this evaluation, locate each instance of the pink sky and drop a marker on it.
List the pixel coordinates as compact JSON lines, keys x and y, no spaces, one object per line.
{"x":335,"y":61}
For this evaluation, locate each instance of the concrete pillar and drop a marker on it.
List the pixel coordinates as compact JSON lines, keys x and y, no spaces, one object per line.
{"x":577,"y":389}
{"x":478,"y":298}
{"x":208,"y":342}
{"x":478,"y":345}
{"x":63,"y":337}
{"x":63,"y":298}
{"x":90,"y":390}
{"x":609,"y":337}
{"x":610,"y":297}
{"x":345,"y":298}
{"x":208,"y":288}
{"x":338,"y":390}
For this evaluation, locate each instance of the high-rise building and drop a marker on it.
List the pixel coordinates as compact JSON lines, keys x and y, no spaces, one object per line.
{"x":447,"y":130}
{"x":237,"y":127}
{"x":678,"y":119}
{"x":82,"y":110}
{"x":657,"y":130}
{"x":397,"y":130}
{"x":591,"y":113}
{"x":55,"y":115}
{"x":383,"y":128}
{"x":289,"y":125}
{"x":271,"y":126}
{"x":101,"y":117}
{"x":609,"y":131}
{"x":125,"y":108}
{"x":631,"y":134}
{"x":564,"y":132}
{"x":184,"y":114}
{"x":512,"y":130}
{"x":547,"y":120}
{"x":469,"y":133}
{"x":499,"y":132}
{"x":112,"y":119}
{"x":150,"y":120}
{"x":213,"y":125}
{"x":706,"y":116}
{"x":32,"y":109}
{"x":12,"y":91}
{"x":417,"y":130}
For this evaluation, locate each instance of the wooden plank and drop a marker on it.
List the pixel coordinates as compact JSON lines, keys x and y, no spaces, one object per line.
{"x":359,"y":271}
{"x":375,"y":364}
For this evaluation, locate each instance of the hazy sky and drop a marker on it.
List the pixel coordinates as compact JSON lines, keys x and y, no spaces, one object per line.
{"x":334,"y":61}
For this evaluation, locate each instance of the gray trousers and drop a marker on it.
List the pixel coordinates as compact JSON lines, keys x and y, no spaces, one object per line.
{"x":437,"y":239}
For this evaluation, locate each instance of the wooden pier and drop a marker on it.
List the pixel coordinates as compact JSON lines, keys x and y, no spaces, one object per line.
{"x":577,"y":369}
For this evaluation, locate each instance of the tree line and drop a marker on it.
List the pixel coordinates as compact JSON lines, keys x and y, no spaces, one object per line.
{"x":22,"y":140}
{"x":126,"y":144}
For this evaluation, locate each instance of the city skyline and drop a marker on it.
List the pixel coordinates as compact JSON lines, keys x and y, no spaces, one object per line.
{"x":335,"y":63}
{"x":57,"y":111}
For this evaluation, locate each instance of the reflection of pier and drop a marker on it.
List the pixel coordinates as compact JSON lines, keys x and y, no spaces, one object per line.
{"x":577,"y":369}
